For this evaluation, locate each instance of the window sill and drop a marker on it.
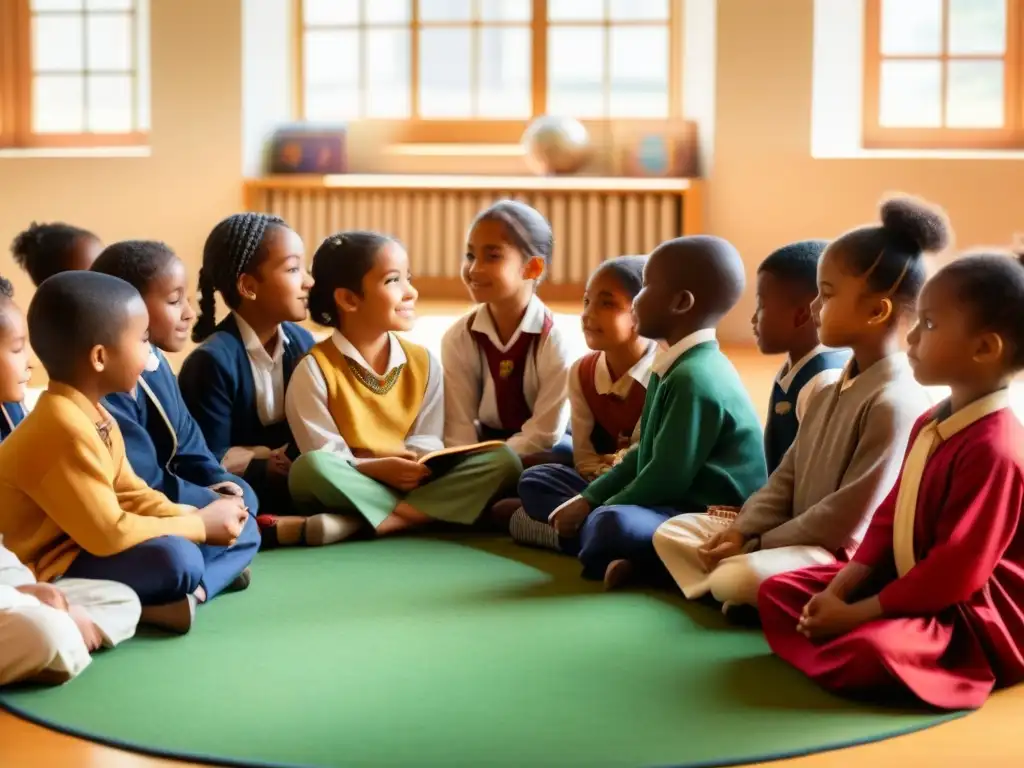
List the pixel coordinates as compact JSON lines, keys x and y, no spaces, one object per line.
{"x":455,"y":150}
{"x":66,"y":152}
{"x":921,"y":154}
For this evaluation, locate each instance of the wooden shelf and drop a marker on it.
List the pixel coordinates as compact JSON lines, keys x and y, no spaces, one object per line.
{"x":371,"y":181}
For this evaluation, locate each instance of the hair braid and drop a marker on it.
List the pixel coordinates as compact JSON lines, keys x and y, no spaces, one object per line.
{"x":230,"y":251}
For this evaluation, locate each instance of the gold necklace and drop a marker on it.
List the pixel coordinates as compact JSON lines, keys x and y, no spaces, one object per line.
{"x":370,"y":380}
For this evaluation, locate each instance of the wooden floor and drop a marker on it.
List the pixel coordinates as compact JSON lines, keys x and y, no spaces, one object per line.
{"x":990,"y":737}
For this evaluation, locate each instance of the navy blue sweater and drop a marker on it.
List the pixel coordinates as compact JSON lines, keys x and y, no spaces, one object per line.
{"x":217,"y":386}
{"x":15,"y":412}
{"x":179,"y":464}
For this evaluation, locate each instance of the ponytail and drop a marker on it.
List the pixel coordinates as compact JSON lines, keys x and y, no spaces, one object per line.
{"x":206,"y":321}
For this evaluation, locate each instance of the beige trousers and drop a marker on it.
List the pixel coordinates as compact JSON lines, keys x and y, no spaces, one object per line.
{"x":37,"y":641}
{"x":735,"y":580}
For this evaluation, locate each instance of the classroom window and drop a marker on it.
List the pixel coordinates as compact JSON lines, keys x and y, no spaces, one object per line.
{"x":488,"y":61}
{"x":943,"y":74}
{"x":73,"y":72}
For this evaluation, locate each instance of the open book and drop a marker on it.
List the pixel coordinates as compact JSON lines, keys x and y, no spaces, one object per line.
{"x":441,"y":461}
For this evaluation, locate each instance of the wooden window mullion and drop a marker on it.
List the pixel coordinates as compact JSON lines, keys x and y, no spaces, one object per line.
{"x":539,"y":57}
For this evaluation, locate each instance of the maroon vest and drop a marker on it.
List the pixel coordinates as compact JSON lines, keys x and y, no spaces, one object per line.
{"x":507,"y":371}
{"x":615,"y":417}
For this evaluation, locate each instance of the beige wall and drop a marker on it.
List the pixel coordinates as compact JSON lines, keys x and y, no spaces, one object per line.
{"x":193,"y":176}
{"x":764,"y":188}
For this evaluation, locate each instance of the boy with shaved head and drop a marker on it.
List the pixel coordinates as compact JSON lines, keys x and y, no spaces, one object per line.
{"x":700,"y":439}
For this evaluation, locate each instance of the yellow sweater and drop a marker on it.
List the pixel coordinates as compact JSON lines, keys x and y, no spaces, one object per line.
{"x":63,"y":488}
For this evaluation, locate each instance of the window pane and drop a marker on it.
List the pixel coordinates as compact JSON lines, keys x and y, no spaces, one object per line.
{"x":977,"y":27}
{"x":57,"y":104}
{"x":974,"y":97}
{"x":109,"y":104}
{"x":57,"y":43}
{"x":142,"y":72}
{"x":639,"y":83}
{"x":639,"y":9}
{"x":911,"y":94}
{"x":575,"y":10}
{"x":331,"y":103}
{"x":320,"y":12}
{"x":911,"y":27}
{"x":387,"y":80}
{"x":506,"y":10}
{"x":57,"y":5}
{"x":331,"y":56}
{"x":109,"y":42}
{"x":445,"y":10}
{"x":445,"y":63}
{"x":388,"y":11}
{"x":109,"y":5}
{"x":575,"y":71}
{"x":504,"y":84}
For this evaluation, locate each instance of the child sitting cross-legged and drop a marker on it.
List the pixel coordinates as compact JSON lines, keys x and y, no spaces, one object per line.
{"x":70,"y":504}
{"x":787,"y":284}
{"x":700,"y":439}
{"x":817,"y":503}
{"x":165,"y":447}
{"x":931,"y":608}
{"x":365,"y":405}
{"x":607,"y":389}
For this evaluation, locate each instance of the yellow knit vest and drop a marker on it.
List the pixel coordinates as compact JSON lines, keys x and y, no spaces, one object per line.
{"x":371,"y":422}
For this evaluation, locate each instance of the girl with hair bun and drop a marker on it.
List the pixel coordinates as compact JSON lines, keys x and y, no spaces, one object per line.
{"x":234,"y":382}
{"x":817,"y":503}
{"x":932,"y":605}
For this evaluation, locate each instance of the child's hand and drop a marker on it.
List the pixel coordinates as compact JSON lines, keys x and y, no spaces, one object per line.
{"x":87,"y":627}
{"x":720,"y":546}
{"x":227,"y":488}
{"x":278,"y":463}
{"x":826,"y":615}
{"x":47,"y":594}
{"x":401,"y":474}
{"x":567,"y":518}
{"x":224,"y":520}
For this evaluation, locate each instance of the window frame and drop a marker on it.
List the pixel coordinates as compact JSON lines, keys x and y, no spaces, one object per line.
{"x":419,"y":130}
{"x":877,"y":136}
{"x":16,"y":75}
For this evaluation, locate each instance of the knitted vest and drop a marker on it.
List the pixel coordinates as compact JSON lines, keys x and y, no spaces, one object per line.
{"x":615,"y":417}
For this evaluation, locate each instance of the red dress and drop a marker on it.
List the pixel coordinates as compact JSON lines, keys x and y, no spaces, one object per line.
{"x":954,"y":625}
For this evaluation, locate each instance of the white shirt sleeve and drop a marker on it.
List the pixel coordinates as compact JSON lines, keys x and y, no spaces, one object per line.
{"x":817,"y":383}
{"x":551,"y":409}
{"x":308,"y":415}
{"x":462,"y":385}
{"x":427,"y":432}
{"x":13,"y":573}
{"x":588,"y":462}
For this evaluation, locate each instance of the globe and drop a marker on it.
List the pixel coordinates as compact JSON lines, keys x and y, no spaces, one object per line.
{"x":556,"y":145}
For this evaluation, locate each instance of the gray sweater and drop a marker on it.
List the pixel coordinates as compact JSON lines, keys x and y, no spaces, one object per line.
{"x":845,"y":459}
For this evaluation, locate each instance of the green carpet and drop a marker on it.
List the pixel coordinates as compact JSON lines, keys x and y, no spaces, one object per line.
{"x":458,"y":652}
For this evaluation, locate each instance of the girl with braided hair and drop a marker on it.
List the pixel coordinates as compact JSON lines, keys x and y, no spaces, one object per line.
{"x":234,"y":382}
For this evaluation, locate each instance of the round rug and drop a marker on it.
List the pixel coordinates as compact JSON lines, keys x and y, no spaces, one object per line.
{"x":452,"y":651}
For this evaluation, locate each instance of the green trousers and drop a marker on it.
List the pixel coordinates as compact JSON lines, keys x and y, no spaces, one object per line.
{"x":327,"y":480}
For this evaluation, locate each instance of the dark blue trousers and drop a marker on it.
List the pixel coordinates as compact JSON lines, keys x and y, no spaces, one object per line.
{"x":168,"y":568}
{"x":621,"y":532}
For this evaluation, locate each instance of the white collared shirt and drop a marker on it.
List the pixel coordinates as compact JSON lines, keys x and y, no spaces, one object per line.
{"x":666,"y":357}
{"x":267,"y":372}
{"x":587,"y":460}
{"x":469,"y":389}
{"x":813,"y":386}
{"x":310,"y":418}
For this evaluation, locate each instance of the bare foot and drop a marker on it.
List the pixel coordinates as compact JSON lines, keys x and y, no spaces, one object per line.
{"x":200,"y":594}
{"x":410,"y":513}
{"x":402,"y":517}
{"x":617,"y":573}
{"x":392,"y":524}
{"x":501,"y":511}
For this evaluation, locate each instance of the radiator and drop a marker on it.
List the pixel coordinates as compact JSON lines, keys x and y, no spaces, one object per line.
{"x":592,"y":218}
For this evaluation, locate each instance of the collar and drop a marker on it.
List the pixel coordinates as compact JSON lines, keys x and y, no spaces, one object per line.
{"x":665,"y":358}
{"x":532,"y":322}
{"x":883,"y":369}
{"x":790,"y":369}
{"x":253,"y":345}
{"x":96,"y":413}
{"x":969,"y":414}
{"x":640,"y":373}
{"x":396,"y":354}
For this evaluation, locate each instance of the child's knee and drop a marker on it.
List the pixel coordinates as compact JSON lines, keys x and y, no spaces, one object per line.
{"x":506,"y":464}
{"x":305,"y":473}
{"x":733,"y":581}
{"x":180,"y":562}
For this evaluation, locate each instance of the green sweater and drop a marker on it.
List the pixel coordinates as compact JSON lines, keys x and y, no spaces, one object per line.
{"x":700,"y":440}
